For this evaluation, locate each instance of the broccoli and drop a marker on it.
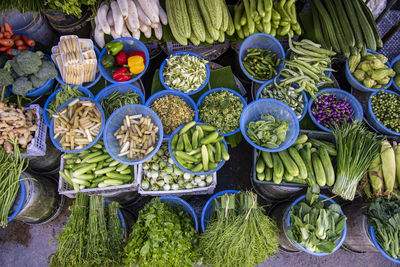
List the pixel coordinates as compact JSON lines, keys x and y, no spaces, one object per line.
{"x":21,"y":86}
{"x":5,"y":78}
{"x":47,"y":71}
{"x":29,"y":62}
{"x":36,"y":82}
{"x":16,"y":68}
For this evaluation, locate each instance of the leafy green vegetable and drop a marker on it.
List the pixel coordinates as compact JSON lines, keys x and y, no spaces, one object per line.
{"x":162,"y":236}
{"x":71,"y":7}
{"x":268,"y":132}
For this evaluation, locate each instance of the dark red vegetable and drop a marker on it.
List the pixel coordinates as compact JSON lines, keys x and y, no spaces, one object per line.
{"x":138,"y":53}
{"x":122,"y":74}
{"x":121,"y":58}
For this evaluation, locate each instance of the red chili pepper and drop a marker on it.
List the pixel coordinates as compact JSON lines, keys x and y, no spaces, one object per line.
{"x":138,"y":53}
{"x":122,"y":75}
{"x":121,"y":58}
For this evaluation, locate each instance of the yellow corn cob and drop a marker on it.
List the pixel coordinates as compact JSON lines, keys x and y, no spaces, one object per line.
{"x":397,"y":156}
{"x":388,"y":166}
{"x":376,"y":177}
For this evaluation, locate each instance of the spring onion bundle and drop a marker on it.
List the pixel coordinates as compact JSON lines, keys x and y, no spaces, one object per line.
{"x":356,"y":148}
{"x":238,"y":234}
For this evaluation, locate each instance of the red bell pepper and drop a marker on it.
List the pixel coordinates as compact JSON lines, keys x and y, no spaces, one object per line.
{"x":138,"y":53}
{"x":121,"y":58}
{"x":122,"y":75}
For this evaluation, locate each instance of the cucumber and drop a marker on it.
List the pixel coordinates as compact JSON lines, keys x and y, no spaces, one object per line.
{"x":301,"y":139}
{"x":348,"y":33}
{"x":365,"y":26}
{"x":359,"y":39}
{"x":268,"y":174}
{"x":318,"y":144}
{"x":305,"y":154}
{"x":317,"y":28}
{"x":207,"y":20}
{"x":328,"y":168}
{"x":267,"y":157}
{"x":278,"y":168}
{"x":194,"y":40}
{"x":318,"y":169}
{"x":225,"y":15}
{"x":372,"y":23}
{"x":299,"y":162}
{"x":215,"y":11}
{"x":287,"y":176}
{"x":196,"y":21}
{"x":260,"y":166}
{"x":261,"y":176}
{"x":290,"y":165}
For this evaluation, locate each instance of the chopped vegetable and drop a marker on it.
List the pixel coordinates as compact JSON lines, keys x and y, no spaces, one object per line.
{"x":221,"y":109}
{"x":385,"y":107}
{"x":261,"y":64}
{"x":329,"y":110}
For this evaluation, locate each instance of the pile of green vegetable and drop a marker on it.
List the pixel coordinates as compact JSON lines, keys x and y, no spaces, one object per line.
{"x":117,"y":99}
{"x":287,"y":94}
{"x":221,"y":109}
{"x":316,"y":226}
{"x":261,"y":64}
{"x":93,"y":235}
{"x":384,"y":216}
{"x":277,"y":18}
{"x":198,"y":148}
{"x":67,"y":93}
{"x":268,"y":131}
{"x":396,"y":68}
{"x":385,"y":107}
{"x":371,"y":70}
{"x":163,"y":235}
{"x":238,"y":233}
{"x":307,"y":161}
{"x":29,"y":70}
{"x":93,"y":168}
{"x":347,"y":27}
{"x":11,"y":167}
{"x":161,"y":173}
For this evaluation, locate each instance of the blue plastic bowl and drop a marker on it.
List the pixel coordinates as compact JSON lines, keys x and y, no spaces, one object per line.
{"x":295,"y":85}
{"x":357,"y":108}
{"x":180,"y":54}
{"x":130,"y":45}
{"x":88,"y":84}
{"x":7,"y":92}
{"x":183,"y":96}
{"x":373,"y":120}
{"x":29,"y":35}
{"x":175,"y":201}
{"x":53,"y":95}
{"x":223,"y":89}
{"x":392,"y":64}
{"x":262,"y":41}
{"x":207,"y":209}
{"x":56,"y":141}
{"x":372,"y":233}
{"x":115,"y":121}
{"x":184,"y":169}
{"x":357,"y":85}
{"x":279,"y":110}
{"x":338,"y":243}
{"x":122,"y":88}
{"x":42,"y":89}
{"x":21,"y":201}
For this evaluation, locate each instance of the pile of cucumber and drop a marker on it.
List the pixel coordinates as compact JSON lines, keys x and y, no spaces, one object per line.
{"x":307,"y":161}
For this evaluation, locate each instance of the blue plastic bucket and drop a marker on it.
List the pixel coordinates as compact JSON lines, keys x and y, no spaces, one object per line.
{"x":357,"y":108}
{"x":181,"y":54}
{"x":372,"y":233}
{"x":223,"y":89}
{"x":357,"y":85}
{"x":183,"y":96}
{"x":392,"y":64}
{"x":130,"y":45}
{"x":115,"y":121}
{"x":279,"y":110}
{"x":207,"y":209}
{"x":56,"y":141}
{"x":29,"y":35}
{"x":53,"y":95}
{"x":21,"y":198}
{"x":295,"y":85}
{"x":373,"y":120}
{"x":88,"y":84}
{"x":180,"y":166}
{"x":42,"y":89}
{"x":176,"y":201}
{"x":262,"y":41}
{"x":338,"y":243}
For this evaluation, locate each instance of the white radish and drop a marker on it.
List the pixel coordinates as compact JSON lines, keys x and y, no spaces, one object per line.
{"x":158,"y":31}
{"x":161,"y":11}
{"x":99,"y":37}
{"x":147,"y":33}
{"x":136,"y":34}
{"x":143,"y":27}
{"x":141,"y":14}
{"x":125,"y":32}
{"x":110,"y":19}
{"x":114,"y":34}
{"x":123,"y":7}
{"x":117,"y":17}
{"x":150,"y":9}
{"x":102,"y":18}
{"x":132,"y":22}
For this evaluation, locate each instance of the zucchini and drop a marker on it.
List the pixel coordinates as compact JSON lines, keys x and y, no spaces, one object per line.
{"x":290,"y":165}
{"x":299,"y":162}
{"x":305,"y":154}
{"x":327,"y":164}
{"x":354,"y":23}
{"x":278,"y":168}
{"x":225,"y":15}
{"x":215,"y":11}
{"x":372,"y":23}
{"x":344,"y":47}
{"x":348,"y":33}
{"x":268,"y":174}
{"x":318,"y":169}
{"x":318,"y":144}
{"x":260,"y":166}
{"x":207,"y":20}
{"x":174,"y":21}
{"x":196,"y":21}
{"x":365,"y":27}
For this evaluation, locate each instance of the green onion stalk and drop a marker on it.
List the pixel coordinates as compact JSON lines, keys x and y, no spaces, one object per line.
{"x":356,"y":149}
{"x":115,"y":230}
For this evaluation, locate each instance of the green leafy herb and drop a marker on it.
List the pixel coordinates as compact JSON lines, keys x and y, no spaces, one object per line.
{"x":71,"y":7}
{"x":117,"y":99}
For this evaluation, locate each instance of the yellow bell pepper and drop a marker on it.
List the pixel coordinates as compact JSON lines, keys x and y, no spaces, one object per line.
{"x":136,"y":64}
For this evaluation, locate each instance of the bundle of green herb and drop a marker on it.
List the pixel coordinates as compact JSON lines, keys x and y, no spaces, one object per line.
{"x":162,"y":236}
{"x":238,"y":234}
{"x":117,"y":99}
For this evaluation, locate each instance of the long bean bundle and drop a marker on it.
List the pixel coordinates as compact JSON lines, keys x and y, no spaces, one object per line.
{"x":117,"y":99}
{"x":356,"y":148}
{"x":11,"y":168}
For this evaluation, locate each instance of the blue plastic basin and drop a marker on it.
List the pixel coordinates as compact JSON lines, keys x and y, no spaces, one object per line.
{"x":357,"y":108}
{"x":372,"y":233}
{"x":21,"y":201}
{"x":279,"y":110}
